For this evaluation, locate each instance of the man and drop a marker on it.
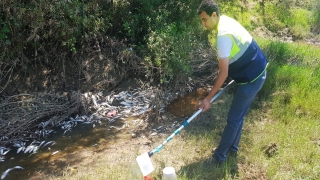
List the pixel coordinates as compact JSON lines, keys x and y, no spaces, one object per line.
{"x":240,"y":58}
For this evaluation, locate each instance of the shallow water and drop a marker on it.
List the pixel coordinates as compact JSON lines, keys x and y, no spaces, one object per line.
{"x":85,"y":137}
{"x":80,"y":138}
{"x":186,"y":105}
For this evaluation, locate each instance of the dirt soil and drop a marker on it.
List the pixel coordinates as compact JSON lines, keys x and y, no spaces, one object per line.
{"x":103,"y":67}
{"x":106,"y":66}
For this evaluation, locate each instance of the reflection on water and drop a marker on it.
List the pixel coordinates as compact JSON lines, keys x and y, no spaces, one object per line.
{"x":83,"y":137}
{"x":186,"y":105}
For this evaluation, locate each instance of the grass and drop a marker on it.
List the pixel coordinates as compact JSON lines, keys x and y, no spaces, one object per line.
{"x":279,"y":138}
{"x":281,"y":134}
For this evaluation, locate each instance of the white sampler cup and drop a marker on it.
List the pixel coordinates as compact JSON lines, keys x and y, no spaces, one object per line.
{"x":145,"y":164}
{"x":169,"y":174}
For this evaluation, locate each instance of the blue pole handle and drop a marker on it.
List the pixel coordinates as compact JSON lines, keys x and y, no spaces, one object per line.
{"x":187,"y":122}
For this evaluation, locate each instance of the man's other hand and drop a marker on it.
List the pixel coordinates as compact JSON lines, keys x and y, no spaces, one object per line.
{"x":205,"y":105}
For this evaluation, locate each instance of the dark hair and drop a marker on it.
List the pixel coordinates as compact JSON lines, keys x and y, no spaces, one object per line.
{"x":209,"y":6}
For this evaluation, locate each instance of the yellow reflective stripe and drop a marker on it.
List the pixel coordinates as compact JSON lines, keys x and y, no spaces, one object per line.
{"x":256,"y":77}
{"x":213,"y":41}
{"x":235,"y":48}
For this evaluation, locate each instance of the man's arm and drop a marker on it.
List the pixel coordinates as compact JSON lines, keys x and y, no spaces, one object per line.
{"x":222,"y":76}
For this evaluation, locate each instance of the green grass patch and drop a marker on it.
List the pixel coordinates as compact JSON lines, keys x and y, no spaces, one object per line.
{"x":296,"y":54}
{"x":300,"y":22}
{"x":290,"y":117}
{"x":279,"y":16}
{"x":280,"y":138}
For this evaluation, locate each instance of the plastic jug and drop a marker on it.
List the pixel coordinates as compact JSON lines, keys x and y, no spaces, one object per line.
{"x":145,"y":164}
{"x":169,"y":174}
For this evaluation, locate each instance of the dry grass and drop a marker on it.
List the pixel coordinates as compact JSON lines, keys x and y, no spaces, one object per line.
{"x":21,"y":115}
{"x":185,"y":152}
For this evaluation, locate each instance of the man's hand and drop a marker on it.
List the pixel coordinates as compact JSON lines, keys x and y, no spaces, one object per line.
{"x":205,"y":105}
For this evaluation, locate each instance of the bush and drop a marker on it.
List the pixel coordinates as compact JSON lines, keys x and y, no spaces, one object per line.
{"x":300,"y":23}
{"x":161,"y":30}
{"x":275,"y":16}
{"x":37,"y":28}
{"x":316,"y":15}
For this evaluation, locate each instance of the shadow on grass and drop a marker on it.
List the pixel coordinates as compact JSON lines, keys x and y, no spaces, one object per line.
{"x":210,"y":125}
{"x":195,"y":171}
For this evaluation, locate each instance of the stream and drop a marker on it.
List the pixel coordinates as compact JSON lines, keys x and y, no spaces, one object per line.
{"x":86,"y":137}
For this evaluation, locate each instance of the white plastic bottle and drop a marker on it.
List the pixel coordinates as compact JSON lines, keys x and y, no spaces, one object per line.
{"x":169,"y":174}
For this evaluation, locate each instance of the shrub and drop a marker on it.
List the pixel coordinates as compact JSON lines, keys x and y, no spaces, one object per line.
{"x":162,"y":30}
{"x":43,"y":28}
{"x":316,"y":15}
{"x":274,"y":17}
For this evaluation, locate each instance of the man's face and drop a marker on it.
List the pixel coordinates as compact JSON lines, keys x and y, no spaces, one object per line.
{"x":209,"y":22}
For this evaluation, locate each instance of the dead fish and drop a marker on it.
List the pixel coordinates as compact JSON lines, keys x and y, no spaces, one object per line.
{"x":17,"y":145}
{"x":4,"y":174}
{"x":100,"y":93}
{"x":30,"y":148}
{"x":94,"y":100}
{"x":41,"y":143}
{"x":105,"y":104}
{"x":126,"y":103}
{"x":87,"y":122}
{"x":54,"y":153}
{"x":2,"y":158}
{"x":79,"y":120}
{"x":20,"y":149}
{"x":50,"y":142}
{"x":35,"y":149}
{"x":84,"y":117}
{"x":3,"y":152}
{"x":66,"y":131}
{"x":153,"y":134}
{"x":4,"y":138}
{"x":86,"y":95}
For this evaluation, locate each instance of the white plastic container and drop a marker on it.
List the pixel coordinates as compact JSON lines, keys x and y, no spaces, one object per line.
{"x":145,"y":164}
{"x":169,"y":174}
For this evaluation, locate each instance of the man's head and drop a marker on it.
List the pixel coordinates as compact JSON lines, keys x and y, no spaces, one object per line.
{"x":208,"y":12}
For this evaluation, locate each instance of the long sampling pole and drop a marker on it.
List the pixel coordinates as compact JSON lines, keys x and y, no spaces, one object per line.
{"x":151,"y":153}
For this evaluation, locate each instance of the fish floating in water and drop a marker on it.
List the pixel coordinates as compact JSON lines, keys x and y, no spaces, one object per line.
{"x":3,"y":152}
{"x":111,"y":108}
{"x":54,"y":153}
{"x":4,"y":174}
{"x":32,"y":147}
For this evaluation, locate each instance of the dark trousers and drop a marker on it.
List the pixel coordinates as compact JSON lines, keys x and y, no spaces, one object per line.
{"x":241,"y":102}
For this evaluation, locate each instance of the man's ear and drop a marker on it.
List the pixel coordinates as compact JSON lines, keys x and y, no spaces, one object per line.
{"x":214,"y":14}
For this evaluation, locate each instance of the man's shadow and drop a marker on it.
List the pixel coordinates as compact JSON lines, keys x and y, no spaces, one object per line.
{"x":228,"y":170}
{"x":213,"y":122}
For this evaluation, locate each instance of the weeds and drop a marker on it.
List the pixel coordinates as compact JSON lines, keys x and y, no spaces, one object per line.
{"x":281,"y":128}
{"x":279,"y":135}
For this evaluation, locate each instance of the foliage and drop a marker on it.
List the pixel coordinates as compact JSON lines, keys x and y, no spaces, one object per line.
{"x":274,"y":16}
{"x":170,"y":52}
{"x":300,"y":22}
{"x":159,"y":29}
{"x":291,"y":97}
{"x":299,"y":54}
{"x":36,"y":28}
{"x":316,"y":15}
{"x":237,"y":10}
{"x":295,"y":67}
{"x":289,"y":14}
{"x":162,"y":32}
